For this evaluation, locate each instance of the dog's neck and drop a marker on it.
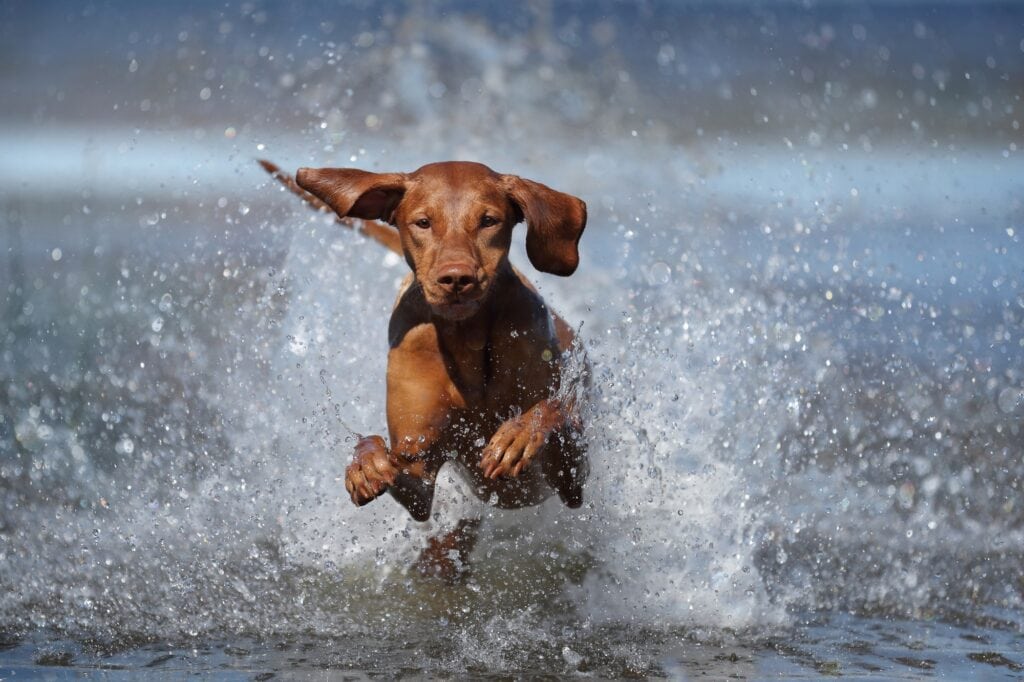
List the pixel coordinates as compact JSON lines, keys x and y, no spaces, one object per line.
{"x":466,"y":343}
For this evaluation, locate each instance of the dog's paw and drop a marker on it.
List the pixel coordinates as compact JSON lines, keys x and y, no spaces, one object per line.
{"x":371,"y":471}
{"x":517,"y":441}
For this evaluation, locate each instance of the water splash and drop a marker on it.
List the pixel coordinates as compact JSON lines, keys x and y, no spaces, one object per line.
{"x":801,"y":400}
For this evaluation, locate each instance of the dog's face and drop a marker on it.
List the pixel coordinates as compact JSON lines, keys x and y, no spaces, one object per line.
{"x":455,"y":220}
{"x":456,"y":226}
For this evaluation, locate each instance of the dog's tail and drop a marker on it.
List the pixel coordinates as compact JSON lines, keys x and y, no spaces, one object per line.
{"x":379,"y":232}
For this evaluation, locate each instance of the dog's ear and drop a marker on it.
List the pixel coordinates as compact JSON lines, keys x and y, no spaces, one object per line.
{"x":554,"y":224}
{"x":356,"y":193}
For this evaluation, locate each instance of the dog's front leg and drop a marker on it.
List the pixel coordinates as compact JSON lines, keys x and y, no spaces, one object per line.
{"x":516,"y":442}
{"x":376,"y":469}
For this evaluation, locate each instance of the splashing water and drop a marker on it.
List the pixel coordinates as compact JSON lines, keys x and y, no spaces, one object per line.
{"x":805,"y":401}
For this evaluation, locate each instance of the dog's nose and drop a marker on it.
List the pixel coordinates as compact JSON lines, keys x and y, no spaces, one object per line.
{"x":458,"y":278}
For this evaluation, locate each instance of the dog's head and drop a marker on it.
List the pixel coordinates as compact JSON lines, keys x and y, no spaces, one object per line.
{"x":455,"y":220}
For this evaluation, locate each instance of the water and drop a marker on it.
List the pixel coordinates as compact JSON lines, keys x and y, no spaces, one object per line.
{"x":806,"y":334}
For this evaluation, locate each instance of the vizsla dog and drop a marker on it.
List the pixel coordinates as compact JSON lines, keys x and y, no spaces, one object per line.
{"x":474,"y":371}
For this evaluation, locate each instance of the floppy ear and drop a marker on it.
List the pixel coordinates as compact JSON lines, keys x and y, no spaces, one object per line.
{"x":352,"y":192}
{"x":554,"y":224}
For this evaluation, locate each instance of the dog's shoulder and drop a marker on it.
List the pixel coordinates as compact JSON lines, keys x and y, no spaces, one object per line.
{"x":409,"y":327}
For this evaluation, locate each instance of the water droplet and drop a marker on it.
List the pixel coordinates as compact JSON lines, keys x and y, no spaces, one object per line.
{"x":1010,"y":399}
{"x":660,"y":273}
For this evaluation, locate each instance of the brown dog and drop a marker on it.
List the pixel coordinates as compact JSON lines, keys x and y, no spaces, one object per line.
{"x":474,"y":366}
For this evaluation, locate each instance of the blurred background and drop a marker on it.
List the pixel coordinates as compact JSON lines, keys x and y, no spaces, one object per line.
{"x":802,"y":289}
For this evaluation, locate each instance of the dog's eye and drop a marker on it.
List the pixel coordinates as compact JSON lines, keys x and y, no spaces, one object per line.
{"x":423,"y":222}
{"x":488,"y":221}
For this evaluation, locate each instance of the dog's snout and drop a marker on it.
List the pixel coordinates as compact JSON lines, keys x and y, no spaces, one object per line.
{"x":458,"y":278}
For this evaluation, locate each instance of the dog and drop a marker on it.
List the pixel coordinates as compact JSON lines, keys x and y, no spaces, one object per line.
{"x":474,"y":372}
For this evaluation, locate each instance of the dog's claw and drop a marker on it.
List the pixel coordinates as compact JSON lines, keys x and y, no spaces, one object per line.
{"x":492,"y":462}
{"x":517,"y":442}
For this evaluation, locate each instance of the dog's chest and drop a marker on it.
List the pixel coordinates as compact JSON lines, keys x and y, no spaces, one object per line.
{"x":517,"y":369}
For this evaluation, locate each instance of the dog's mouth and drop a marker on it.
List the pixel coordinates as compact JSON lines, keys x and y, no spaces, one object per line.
{"x":457,"y":305}
{"x":457,"y":308}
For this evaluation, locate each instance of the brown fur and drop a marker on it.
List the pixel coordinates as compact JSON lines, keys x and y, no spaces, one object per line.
{"x":474,"y":360}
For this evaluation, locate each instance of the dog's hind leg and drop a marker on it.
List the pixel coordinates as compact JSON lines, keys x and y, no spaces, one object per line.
{"x":446,"y":556}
